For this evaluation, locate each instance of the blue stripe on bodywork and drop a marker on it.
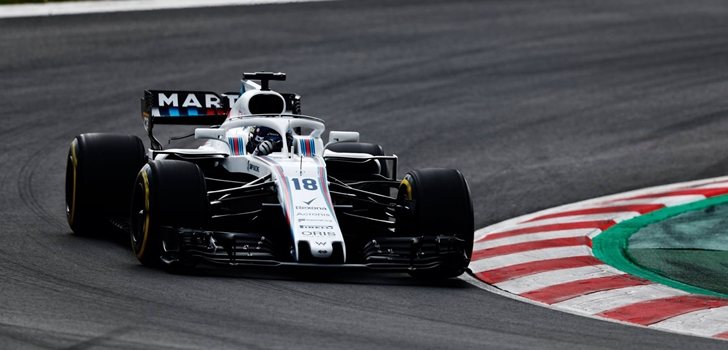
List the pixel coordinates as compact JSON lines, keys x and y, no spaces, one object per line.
{"x":173,"y":112}
{"x":192,"y":111}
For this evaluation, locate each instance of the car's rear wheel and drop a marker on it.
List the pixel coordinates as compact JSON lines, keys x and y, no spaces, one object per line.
{"x":100,"y":173}
{"x":168,"y":194}
{"x":439,"y":204}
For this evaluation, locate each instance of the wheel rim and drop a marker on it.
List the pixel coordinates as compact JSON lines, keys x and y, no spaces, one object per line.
{"x":140,"y":215}
{"x":71,"y":183}
{"x":138,"y":212}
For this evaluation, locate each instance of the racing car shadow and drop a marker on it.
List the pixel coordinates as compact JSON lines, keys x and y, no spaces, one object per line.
{"x":334,"y":275}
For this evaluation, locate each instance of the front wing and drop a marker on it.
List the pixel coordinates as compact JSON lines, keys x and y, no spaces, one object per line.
{"x":254,"y":249}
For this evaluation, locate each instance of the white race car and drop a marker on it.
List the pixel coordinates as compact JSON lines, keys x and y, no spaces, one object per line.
{"x":264,"y":189}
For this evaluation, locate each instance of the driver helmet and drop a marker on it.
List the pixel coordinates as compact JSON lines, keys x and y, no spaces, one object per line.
{"x":262,"y":133}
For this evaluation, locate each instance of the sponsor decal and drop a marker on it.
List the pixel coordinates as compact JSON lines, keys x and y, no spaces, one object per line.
{"x":309,"y":202}
{"x":192,"y":99}
{"x":320,"y":243}
{"x":236,"y":144}
{"x":314,"y":220}
{"x":307,"y":184}
{"x":319,"y":233}
{"x":313,"y":214}
{"x":316,"y":227}
{"x":253,"y":167}
{"x":301,"y":207}
{"x":307,"y":147}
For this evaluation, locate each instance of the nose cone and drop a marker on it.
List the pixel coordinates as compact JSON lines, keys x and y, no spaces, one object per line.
{"x":321,"y":249}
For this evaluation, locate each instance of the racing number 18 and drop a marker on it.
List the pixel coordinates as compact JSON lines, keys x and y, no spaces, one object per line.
{"x":308,"y":184}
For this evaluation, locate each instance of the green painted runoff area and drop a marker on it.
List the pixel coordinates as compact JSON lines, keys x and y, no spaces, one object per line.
{"x":684,"y":247}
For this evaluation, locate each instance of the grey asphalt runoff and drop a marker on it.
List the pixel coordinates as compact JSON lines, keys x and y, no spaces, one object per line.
{"x":539,"y":103}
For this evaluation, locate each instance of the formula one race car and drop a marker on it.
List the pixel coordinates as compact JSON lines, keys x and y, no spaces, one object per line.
{"x":264,"y":189}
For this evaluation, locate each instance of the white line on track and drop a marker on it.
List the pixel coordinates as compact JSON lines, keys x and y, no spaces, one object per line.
{"x":613,"y":216}
{"x":84,"y":7}
{"x":702,"y":322}
{"x":532,"y":237}
{"x":666,"y":201}
{"x":549,"y":278}
{"x":721,"y":184}
{"x":528,"y":256}
{"x":595,"y":303}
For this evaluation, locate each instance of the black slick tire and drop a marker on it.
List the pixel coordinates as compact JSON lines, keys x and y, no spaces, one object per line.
{"x":440,"y":203}
{"x":167,"y":194}
{"x":100,"y":173}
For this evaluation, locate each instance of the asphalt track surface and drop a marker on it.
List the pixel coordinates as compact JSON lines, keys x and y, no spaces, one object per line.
{"x":540,"y":103}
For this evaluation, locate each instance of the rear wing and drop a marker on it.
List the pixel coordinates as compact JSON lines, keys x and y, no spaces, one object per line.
{"x":185,"y":107}
{"x":176,"y":107}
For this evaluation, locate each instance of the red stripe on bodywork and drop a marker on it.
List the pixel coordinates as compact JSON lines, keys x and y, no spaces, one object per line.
{"x":569,"y":290}
{"x":236,"y":147}
{"x":526,"y":246}
{"x":707,"y":192}
{"x":642,"y":209}
{"x":602,"y":225}
{"x":519,"y":270}
{"x":652,"y":311}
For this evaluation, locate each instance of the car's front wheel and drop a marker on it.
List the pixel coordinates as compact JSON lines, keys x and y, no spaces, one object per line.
{"x":439,"y":204}
{"x":168,"y":194}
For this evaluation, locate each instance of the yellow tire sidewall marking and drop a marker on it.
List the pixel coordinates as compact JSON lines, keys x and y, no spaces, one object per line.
{"x":408,"y":188}
{"x":145,"y":179}
{"x":74,"y":161}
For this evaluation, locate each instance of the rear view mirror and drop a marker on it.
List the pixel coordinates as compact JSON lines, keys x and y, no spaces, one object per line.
{"x":209,"y":134}
{"x":343,"y":136}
